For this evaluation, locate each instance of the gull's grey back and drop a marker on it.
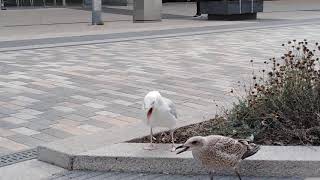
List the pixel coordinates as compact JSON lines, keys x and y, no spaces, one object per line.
{"x":172,"y":107}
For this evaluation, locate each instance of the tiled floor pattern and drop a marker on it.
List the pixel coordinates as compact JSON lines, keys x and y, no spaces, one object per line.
{"x":51,"y":94}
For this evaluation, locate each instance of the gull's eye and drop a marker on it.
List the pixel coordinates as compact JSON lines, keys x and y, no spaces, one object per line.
{"x":194,"y":142}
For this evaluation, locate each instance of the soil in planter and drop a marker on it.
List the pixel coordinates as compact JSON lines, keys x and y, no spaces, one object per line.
{"x":218,"y":126}
{"x":213,"y":126}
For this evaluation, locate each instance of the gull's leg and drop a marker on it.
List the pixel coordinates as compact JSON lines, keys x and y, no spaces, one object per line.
{"x":238,"y":174}
{"x":150,"y":146}
{"x":211,"y":174}
{"x":173,"y":147}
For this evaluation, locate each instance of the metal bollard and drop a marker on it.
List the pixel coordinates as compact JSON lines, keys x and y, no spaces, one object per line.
{"x":2,"y":5}
{"x":96,"y":12}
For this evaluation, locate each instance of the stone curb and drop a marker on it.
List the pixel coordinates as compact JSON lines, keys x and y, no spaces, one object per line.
{"x":105,"y":151}
{"x":269,"y":161}
{"x":62,"y":153}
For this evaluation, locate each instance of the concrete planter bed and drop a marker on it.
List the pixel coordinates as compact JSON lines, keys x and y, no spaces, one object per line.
{"x":293,"y":161}
{"x":231,"y":9}
{"x":106,"y":151}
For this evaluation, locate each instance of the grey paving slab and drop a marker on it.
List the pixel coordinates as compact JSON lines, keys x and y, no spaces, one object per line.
{"x":57,"y":133}
{"x":36,"y":125}
{"x":100,"y":124}
{"x":4,"y":151}
{"x":31,"y":169}
{"x":45,"y":137}
{"x":26,"y":140}
{"x":79,"y":175}
{"x":8,"y":125}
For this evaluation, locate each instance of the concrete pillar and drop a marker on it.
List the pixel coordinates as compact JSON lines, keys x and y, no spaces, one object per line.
{"x":147,"y":10}
{"x":96,"y":12}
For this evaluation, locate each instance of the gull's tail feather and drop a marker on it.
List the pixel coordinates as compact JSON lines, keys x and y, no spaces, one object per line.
{"x":251,"y":148}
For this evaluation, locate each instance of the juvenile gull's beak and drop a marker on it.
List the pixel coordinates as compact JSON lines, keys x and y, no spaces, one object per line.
{"x":185,"y":148}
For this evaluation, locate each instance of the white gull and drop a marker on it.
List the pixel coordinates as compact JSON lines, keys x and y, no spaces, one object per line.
{"x":160,"y":112}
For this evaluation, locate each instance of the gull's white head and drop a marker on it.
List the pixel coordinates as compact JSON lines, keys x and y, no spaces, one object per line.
{"x":192,"y":143}
{"x":150,"y":102}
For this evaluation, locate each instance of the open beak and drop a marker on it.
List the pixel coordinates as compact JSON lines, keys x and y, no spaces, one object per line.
{"x":184,"y":149}
{"x":149,"y":113}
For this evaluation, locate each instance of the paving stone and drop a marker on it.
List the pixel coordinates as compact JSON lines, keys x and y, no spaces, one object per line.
{"x":36,"y":126}
{"x":108,"y":121}
{"x":122,"y":102}
{"x":45,"y":106}
{"x":75,"y":117}
{"x":8,"y":125}
{"x":23,"y":116}
{"x":12,"y":145}
{"x":45,"y":137}
{"x":49,"y":116}
{"x":90,"y":128}
{"x":26,"y":140}
{"x":107,"y":113}
{"x":20,"y":103}
{"x":99,"y":123}
{"x":128,"y":119}
{"x":83,"y":98}
{"x":25,"y":99}
{"x":4,"y":151}
{"x":4,"y":110}
{"x":13,"y":120}
{"x":6,"y":132}
{"x":25,"y":131}
{"x":86,"y":111}
{"x":13,"y":106}
{"x":94,"y":105}
{"x":70,"y":129}
{"x":57,"y":133}
{"x":30,"y":111}
{"x":63,"y":109}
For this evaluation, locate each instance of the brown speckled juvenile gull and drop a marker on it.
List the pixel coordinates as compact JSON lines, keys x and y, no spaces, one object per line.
{"x":219,"y":152}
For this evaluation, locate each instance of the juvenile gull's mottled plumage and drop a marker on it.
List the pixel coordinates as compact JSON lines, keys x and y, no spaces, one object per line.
{"x":219,"y":152}
{"x":160,"y":112}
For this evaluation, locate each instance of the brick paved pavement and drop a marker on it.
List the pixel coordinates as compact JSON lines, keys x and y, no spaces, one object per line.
{"x":54,"y":93}
{"x":81,"y":175}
